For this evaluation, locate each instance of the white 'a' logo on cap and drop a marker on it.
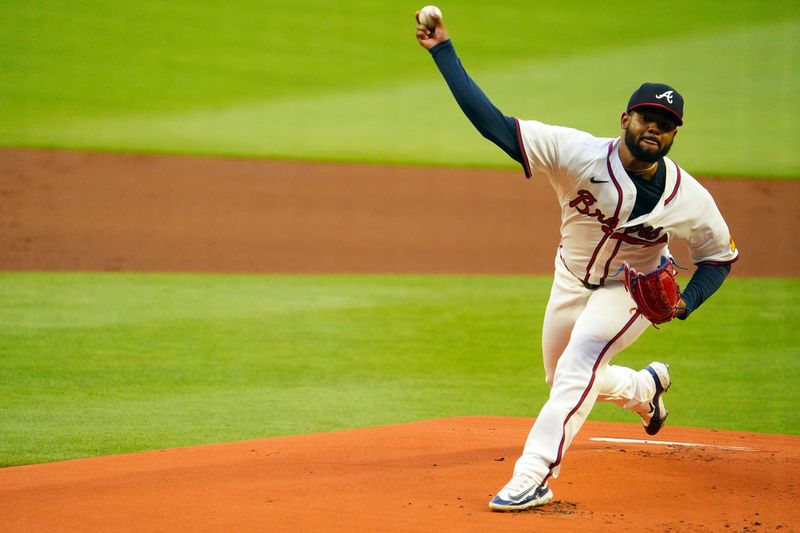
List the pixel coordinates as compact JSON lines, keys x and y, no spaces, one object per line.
{"x":667,"y":95}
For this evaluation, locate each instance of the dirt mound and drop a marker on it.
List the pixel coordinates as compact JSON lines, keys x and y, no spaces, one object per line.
{"x":426,"y":476}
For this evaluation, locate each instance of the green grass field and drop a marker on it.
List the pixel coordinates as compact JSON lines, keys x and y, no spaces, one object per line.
{"x":99,"y":364}
{"x":347,"y":80}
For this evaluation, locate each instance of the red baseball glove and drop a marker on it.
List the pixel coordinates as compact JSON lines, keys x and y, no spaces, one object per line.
{"x":656,"y":293}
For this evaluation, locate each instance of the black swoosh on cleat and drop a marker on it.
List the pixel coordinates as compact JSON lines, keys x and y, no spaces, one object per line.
{"x":516,"y":497}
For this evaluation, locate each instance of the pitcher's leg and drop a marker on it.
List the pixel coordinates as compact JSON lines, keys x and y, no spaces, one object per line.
{"x":628,"y":388}
{"x":568,"y":298}
{"x":605,"y":327}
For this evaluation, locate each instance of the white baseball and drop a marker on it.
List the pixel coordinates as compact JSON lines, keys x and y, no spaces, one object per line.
{"x":428,"y":16}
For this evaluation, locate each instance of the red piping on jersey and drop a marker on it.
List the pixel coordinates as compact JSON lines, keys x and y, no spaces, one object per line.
{"x":677,"y":184}
{"x":525,"y":163}
{"x":584,"y":395}
{"x":594,"y":256}
{"x":616,"y":216}
{"x":718,"y":262}
{"x":608,"y":263}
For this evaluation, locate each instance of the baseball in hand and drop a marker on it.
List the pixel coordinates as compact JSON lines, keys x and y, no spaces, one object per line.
{"x":428,"y":16}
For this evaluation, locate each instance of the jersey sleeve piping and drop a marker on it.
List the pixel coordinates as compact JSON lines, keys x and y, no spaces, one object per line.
{"x":526,"y":166}
{"x":719,"y":262}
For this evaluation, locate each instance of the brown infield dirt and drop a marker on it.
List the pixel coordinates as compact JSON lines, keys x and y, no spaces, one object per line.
{"x":80,"y":211}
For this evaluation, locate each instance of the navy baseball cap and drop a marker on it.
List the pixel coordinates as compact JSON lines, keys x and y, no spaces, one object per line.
{"x":658,"y":95}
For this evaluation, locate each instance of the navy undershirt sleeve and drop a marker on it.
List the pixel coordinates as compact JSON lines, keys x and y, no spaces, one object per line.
{"x":487,"y":119}
{"x":705,"y":281}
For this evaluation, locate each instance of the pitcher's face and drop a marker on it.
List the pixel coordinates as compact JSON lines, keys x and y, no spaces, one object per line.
{"x":648,"y":134}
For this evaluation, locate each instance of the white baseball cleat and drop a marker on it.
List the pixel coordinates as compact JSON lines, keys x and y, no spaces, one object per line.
{"x":654,"y":419}
{"x":521,"y":493}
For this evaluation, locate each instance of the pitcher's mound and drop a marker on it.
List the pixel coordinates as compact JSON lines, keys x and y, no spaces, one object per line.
{"x":426,"y":476}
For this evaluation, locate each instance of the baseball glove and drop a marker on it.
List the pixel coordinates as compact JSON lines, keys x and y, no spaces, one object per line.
{"x":656,"y":293}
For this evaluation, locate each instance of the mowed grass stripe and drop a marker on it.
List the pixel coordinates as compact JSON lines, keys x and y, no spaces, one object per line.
{"x":101,"y":55}
{"x":195,"y":78}
{"x":587,"y":91}
{"x":93,"y":364}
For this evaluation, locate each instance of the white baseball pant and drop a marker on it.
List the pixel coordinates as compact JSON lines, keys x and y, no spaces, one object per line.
{"x":583,"y":329}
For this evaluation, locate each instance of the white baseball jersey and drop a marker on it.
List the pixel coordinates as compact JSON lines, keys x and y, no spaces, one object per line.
{"x":597,"y":196}
{"x":584,"y":329}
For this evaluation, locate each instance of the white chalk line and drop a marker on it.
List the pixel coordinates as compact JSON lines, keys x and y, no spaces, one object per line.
{"x":671,"y":443}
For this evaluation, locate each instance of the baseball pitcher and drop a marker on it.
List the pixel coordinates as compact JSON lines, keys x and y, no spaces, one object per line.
{"x":622,"y":202}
